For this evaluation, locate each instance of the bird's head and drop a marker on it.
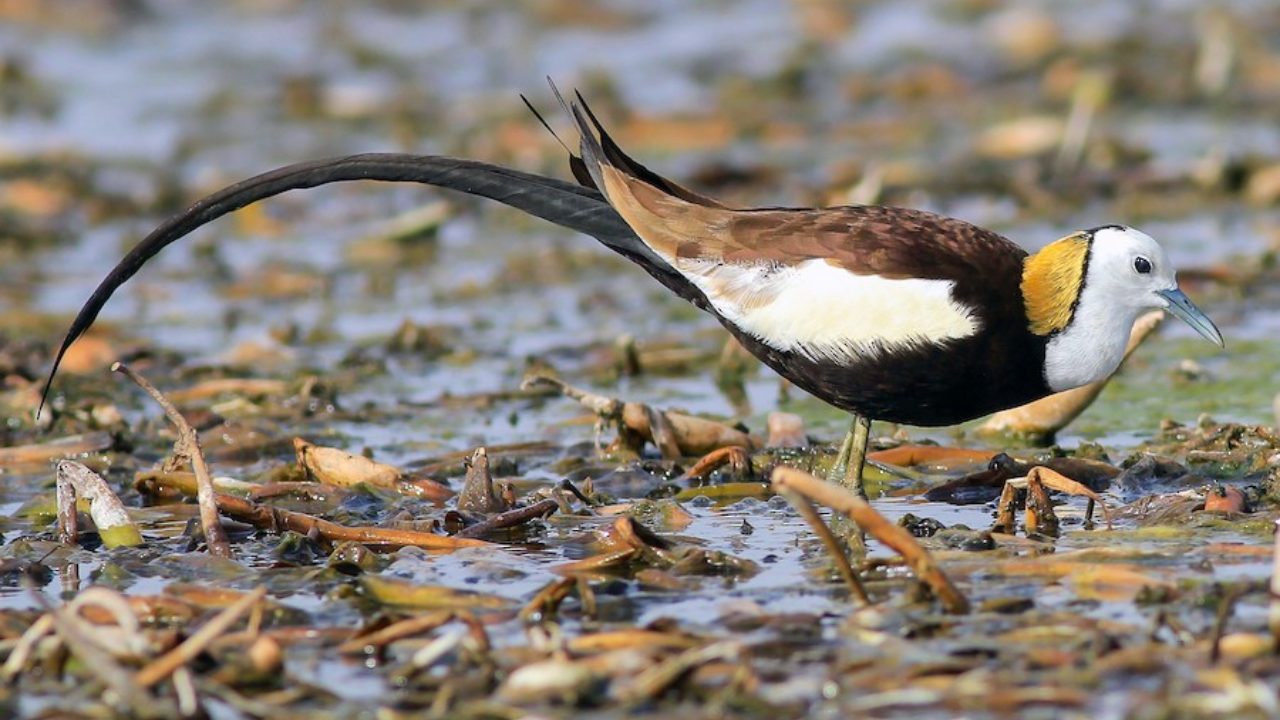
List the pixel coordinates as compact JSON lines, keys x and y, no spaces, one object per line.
{"x":1133,"y":272}
{"x":1084,"y":292}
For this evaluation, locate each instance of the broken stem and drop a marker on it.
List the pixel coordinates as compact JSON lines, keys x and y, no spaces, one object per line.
{"x":510,"y":518}
{"x":810,"y":515}
{"x":1040,"y":518}
{"x":274,"y":519}
{"x":873,"y":523}
{"x":189,"y":443}
{"x":166,"y":664}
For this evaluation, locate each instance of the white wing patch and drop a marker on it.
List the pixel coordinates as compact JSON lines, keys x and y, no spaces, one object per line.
{"x":825,"y":312}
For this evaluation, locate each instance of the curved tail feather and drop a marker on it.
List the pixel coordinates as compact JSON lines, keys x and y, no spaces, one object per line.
{"x":572,"y":206}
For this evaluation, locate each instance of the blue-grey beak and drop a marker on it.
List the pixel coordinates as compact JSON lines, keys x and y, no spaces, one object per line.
{"x":1181,"y":307}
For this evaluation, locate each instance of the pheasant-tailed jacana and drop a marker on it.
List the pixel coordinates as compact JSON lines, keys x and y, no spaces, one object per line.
{"x":886,"y":312}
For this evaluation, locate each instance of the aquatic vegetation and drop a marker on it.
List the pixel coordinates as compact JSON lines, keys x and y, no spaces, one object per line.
{"x":467,"y":466}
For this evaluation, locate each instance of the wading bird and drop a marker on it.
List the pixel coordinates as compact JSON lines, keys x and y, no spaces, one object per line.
{"x":888,"y":313}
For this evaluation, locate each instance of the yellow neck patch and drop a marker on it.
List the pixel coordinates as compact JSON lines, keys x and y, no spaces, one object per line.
{"x":1051,"y":283}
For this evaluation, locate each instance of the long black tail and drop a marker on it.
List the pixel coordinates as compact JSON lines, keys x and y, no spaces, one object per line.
{"x":573,"y":206}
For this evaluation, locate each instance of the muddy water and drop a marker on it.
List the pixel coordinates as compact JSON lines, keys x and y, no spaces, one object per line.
{"x":188,"y":98}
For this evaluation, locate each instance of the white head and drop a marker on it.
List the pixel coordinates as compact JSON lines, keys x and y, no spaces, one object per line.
{"x":1125,"y":273}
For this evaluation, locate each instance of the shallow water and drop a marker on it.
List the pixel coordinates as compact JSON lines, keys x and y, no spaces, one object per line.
{"x":192,"y":97}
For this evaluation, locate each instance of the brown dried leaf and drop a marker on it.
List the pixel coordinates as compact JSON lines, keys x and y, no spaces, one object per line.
{"x":1057,"y":481}
{"x":339,"y":467}
{"x":631,"y":638}
{"x":1021,"y":137}
{"x":1225,"y":499}
{"x":689,"y":434}
{"x":597,"y":563}
{"x":554,"y":680}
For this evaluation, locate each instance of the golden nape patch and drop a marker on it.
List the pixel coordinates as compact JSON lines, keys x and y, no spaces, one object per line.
{"x":1051,"y":283}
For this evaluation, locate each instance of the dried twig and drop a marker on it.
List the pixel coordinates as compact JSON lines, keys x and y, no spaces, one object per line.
{"x":511,"y":518}
{"x":731,"y":455}
{"x":874,"y":524}
{"x":547,"y":600}
{"x":276,"y":519}
{"x":397,"y":631}
{"x":1226,"y":607}
{"x":25,"y":648}
{"x":189,"y":444}
{"x":651,"y":682}
{"x":98,"y":661}
{"x":1012,"y":499}
{"x":166,"y":664}
{"x":1040,"y":518}
{"x":810,"y":515}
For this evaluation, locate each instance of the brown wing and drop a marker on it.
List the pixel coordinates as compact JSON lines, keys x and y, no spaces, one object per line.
{"x":865,"y":240}
{"x":887,"y":241}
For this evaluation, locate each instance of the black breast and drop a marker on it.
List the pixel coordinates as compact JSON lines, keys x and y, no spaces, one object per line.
{"x":925,"y":385}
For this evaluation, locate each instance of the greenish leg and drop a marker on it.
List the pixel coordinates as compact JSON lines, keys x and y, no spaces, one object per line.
{"x":859,"y":433}
{"x":847,"y":470}
{"x":847,"y":473}
{"x":842,"y":459}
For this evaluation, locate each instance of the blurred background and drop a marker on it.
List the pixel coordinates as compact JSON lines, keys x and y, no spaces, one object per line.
{"x":1032,"y":118}
{"x":399,"y":321}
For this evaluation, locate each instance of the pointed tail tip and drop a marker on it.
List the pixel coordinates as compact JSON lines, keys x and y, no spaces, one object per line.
{"x":48,"y":387}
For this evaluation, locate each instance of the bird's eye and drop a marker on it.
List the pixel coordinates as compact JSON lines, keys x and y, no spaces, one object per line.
{"x":1142,"y":265}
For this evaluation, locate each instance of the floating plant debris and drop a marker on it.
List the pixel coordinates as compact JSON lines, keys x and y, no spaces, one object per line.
{"x":347,"y":504}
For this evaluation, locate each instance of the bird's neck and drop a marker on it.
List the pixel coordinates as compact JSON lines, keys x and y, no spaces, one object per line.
{"x":1091,"y":347}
